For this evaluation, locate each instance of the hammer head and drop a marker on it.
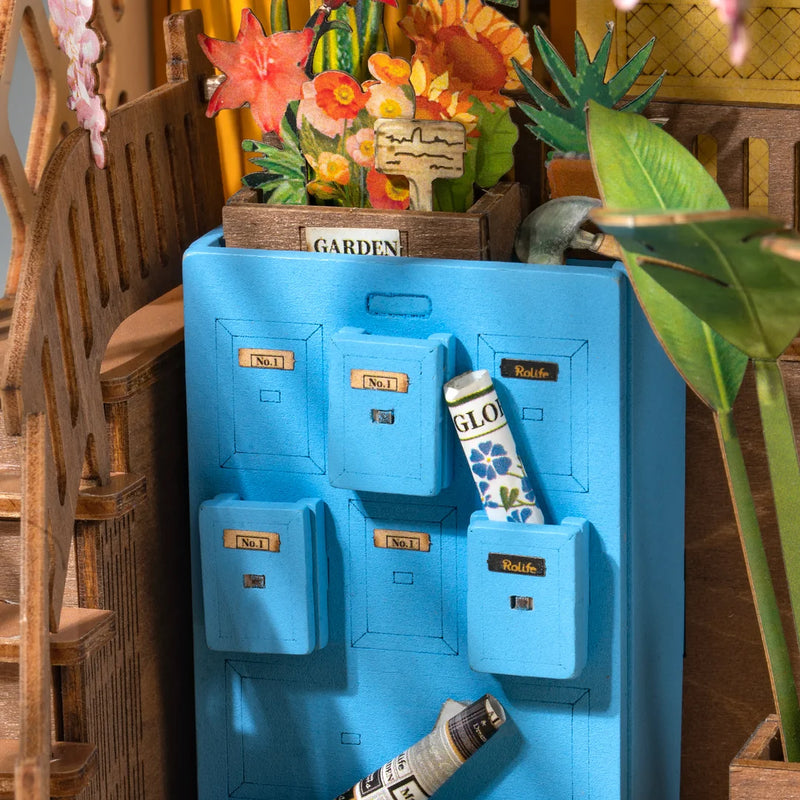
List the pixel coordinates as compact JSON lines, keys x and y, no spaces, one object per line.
{"x":553,"y":228}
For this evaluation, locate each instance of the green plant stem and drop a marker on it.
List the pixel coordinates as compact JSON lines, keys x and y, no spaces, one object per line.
{"x":784,"y":471}
{"x":776,"y":649}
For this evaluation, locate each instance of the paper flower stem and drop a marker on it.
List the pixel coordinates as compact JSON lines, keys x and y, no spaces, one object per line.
{"x":767,"y":611}
{"x":784,"y":471}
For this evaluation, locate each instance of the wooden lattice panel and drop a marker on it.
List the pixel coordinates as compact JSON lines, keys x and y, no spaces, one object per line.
{"x":751,"y":151}
{"x":692,"y":44}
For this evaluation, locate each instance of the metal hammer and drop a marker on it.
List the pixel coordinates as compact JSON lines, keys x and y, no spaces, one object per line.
{"x":555,"y":227}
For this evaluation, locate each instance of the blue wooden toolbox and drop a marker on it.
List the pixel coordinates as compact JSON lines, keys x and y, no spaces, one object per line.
{"x":346,"y":579}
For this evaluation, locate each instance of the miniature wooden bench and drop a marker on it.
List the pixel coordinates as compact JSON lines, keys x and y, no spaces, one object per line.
{"x":100,"y":246}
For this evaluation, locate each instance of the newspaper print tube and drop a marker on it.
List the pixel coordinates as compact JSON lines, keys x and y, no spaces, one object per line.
{"x":419,"y":771}
{"x":505,"y":489}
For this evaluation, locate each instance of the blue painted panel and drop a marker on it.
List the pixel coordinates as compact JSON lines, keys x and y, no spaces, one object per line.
{"x":602,"y":441}
{"x":527,"y":597}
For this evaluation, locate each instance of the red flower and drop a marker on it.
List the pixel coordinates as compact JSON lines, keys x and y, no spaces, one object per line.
{"x":265,"y":72}
{"x":339,"y":95}
{"x":387,"y":191}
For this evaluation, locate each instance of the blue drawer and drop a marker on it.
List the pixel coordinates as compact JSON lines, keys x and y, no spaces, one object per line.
{"x":265,"y":575}
{"x":527,"y":597}
{"x":387,"y":425}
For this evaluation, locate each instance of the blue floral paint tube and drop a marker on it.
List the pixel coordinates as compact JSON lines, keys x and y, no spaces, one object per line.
{"x":505,"y":489}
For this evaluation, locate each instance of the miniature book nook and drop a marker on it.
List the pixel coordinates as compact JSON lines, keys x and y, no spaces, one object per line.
{"x":370,"y":480}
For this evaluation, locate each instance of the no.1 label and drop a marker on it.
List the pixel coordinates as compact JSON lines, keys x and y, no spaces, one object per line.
{"x":266,"y":359}
{"x":265,"y":541}
{"x":378,"y":380}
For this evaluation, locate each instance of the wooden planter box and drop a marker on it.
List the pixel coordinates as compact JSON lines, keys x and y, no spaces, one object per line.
{"x":484,"y":233}
{"x":758,"y":773}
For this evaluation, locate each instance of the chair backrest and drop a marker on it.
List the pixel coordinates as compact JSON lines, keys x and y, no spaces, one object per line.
{"x":101,"y":244}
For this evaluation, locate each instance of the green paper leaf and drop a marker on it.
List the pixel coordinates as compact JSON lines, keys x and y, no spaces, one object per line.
{"x":717,"y":268}
{"x":556,"y":66}
{"x":457,"y":194}
{"x":495,"y":146}
{"x":279,"y":15}
{"x":620,"y":84}
{"x":554,"y":130}
{"x":640,"y":167}
{"x":563,"y":127}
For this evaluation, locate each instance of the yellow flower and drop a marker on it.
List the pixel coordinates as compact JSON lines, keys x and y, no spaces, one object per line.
{"x":388,"y":70}
{"x":472,"y":43}
{"x":333,"y":168}
{"x":436,"y":100}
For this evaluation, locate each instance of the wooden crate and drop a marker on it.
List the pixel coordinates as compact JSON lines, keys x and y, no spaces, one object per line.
{"x":484,"y":233}
{"x":758,"y":771}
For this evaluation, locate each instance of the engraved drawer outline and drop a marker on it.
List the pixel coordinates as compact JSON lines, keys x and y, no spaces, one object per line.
{"x":526,"y":400}
{"x":295,"y":439}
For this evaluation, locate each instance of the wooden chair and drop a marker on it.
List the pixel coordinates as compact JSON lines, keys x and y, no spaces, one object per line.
{"x":100,"y":245}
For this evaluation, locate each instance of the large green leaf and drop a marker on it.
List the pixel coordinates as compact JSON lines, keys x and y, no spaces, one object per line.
{"x":640,"y":167}
{"x":715,"y":265}
{"x":495,"y":156}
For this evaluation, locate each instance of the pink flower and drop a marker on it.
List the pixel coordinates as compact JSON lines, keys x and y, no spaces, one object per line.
{"x":84,"y":48}
{"x":361,"y":147}
{"x":387,"y":101}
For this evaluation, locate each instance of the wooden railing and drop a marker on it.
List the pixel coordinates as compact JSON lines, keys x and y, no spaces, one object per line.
{"x":102,"y":244}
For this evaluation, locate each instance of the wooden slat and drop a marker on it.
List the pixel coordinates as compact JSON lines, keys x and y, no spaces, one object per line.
{"x":33,"y":767}
{"x":71,"y":767}
{"x":485,"y":232}
{"x":119,"y":495}
{"x":81,"y":632}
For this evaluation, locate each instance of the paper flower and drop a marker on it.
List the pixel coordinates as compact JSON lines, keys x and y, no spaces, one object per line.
{"x":333,"y":168}
{"x":264,"y":72}
{"x":361,"y":147}
{"x":386,"y":69}
{"x":389,"y":102}
{"x":309,"y":111}
{"x":472,"y":43}
{"x":84,"y":49}
{"x":339,"y":95}
{"x":490,"y":460}
{"x":387,"y":191}
{"x":436,"y":100}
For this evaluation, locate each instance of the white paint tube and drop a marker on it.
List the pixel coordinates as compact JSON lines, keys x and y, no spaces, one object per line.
{"x":505,"y":489}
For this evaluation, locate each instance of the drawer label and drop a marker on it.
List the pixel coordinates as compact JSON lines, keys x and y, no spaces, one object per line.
{"x":379,"y":381}
{"x":518,"y":565}
{"x":402,"y":540}
{"x":529,"y":370}
{"x":266,"y":359}
{"x":264,"y":541}
{"x":354,"y":241}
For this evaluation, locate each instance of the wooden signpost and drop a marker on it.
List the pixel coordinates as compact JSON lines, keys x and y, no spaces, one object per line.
{"x":421,"y":150}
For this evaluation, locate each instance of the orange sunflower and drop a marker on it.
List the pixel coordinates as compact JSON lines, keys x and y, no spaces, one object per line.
{"x":472,"y":43}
